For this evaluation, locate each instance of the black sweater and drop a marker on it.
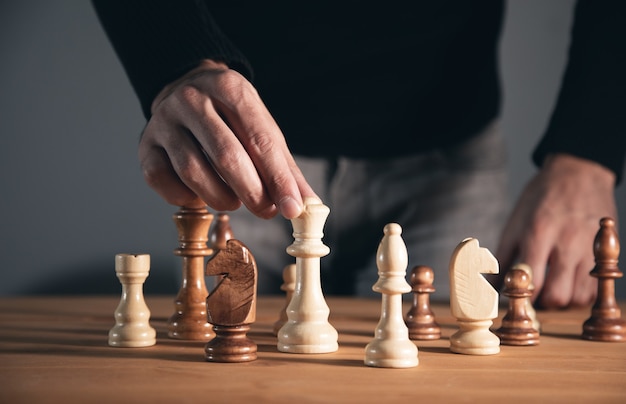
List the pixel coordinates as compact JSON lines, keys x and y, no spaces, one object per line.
{"x":378,"y":79}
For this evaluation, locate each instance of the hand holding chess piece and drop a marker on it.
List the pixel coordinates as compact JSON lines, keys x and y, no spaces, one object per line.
{"x":231,"y":306}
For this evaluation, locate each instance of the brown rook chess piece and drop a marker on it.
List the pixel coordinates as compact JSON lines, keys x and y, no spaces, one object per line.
{"x":605,"y":323}
{"x":420,"y":319}
{"x":517,"y":325}
{"x":231,"y":306}
{"x":189,"y":320}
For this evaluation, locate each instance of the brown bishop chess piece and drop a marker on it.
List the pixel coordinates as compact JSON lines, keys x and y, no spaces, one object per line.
{"x":420,"y":319}
{"x":221,"y":232}
{"x":231,"y":306}
{"x":189,"y":321}
{"x":605,"y":323}
{"x":517,"y":325}
{"x":288,"y":286}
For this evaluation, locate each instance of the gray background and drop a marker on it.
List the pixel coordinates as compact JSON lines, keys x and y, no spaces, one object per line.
{"x":72,"y":192}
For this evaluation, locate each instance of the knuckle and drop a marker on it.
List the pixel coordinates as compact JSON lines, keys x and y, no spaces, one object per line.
{"x":188,"y":95}
{"x":189,"y":171}
{"x":261,"y":144}
{"x":226,"y":159}
{"x":152,"y":174}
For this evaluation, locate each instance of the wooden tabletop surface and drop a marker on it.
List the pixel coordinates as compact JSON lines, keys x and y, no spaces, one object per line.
{"x":54,"y":349}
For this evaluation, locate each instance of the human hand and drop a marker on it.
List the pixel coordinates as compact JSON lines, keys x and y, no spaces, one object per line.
{"x":553,"y":226}
{"x":211,"y":141}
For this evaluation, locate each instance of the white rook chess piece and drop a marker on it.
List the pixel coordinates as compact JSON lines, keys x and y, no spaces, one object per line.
{"x":132,"y":316}
{"x":391,"y":346}
{"x":307,"y":329}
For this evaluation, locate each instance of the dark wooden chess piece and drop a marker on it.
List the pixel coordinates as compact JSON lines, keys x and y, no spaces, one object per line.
{"x":221,"y":233}
{"x":231,"y":306}
{"x":517,"y":325}
{"x":605,"y":323}
{"x":420,"y":319}
{"x":189,"y":320}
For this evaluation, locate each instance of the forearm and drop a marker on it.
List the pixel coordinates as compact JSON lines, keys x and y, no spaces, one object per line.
{"x":588,"y":119}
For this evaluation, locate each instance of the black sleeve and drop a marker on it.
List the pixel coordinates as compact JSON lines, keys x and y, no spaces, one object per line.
{"x":158,"y":41}
{"x":589,"y":119}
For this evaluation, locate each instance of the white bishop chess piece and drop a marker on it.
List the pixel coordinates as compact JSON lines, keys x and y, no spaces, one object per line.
{"x":391,"y":346}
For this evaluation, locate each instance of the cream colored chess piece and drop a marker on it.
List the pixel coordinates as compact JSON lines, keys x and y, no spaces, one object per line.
{"x":132,"y":316}
{"x":307,"y":329}
{"x":473,"y":301}
{"x":288,"y":286}
{"x":530,"y":310}
{"x":391,"y":346}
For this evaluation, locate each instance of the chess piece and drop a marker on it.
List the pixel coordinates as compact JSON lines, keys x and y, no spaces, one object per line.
{"x":473,"y":301}
{"x":132,"y":316}
{"x":221,"y":232}
{"x":391,"y":346}
{"x":288,"y":286}
{"x":605,"y":323}
{"x":530,"y":309}
{"x":517,"y":326}
{"x":420,"y":319}
{"x":307,"y":329}
{"x":231,"y":306}
{"x":189,"y":320}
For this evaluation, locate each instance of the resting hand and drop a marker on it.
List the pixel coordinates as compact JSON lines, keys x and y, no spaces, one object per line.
{"x":553,"y":226}
{"x":211,"y":141}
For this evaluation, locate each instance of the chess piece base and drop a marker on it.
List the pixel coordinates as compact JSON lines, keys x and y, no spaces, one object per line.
{"x":186,"y":327}
{"x":309,"y":338}
{"x":475,"y":338}
{"x":391,"y":354}
{"x":605,"y":330}
{"x":518,"y":337}
{"x":425,"y":332}
{"x":132,"y":337}
{"x":230,"y":345}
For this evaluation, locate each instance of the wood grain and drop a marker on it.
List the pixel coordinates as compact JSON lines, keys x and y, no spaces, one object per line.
{"x":55,"y":349}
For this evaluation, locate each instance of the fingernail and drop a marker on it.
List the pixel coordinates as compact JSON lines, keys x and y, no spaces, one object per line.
{"x":289,"y":208}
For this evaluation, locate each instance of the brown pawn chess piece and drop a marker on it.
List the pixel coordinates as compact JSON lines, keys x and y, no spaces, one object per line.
{"x":517,"y":326}
{"x":420,"y":319}
{"x":231,"y":306}
{"x":189,"y":320}
{"x":222,"y":232}
{"x":288,"y":286}
{"x":605,"y":323}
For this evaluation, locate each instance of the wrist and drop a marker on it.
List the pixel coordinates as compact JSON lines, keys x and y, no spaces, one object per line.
{"x":567,"y":164}
{"x":203,"y":66}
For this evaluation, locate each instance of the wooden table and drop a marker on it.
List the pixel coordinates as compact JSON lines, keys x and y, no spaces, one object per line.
{"x":55,"y":350}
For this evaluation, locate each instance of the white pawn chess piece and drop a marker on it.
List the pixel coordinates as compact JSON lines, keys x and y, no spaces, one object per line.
{"x":391,"y":346}
{"x":307,"y":329}
{"x":132,"y":316}
{"x":473,"y":301}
